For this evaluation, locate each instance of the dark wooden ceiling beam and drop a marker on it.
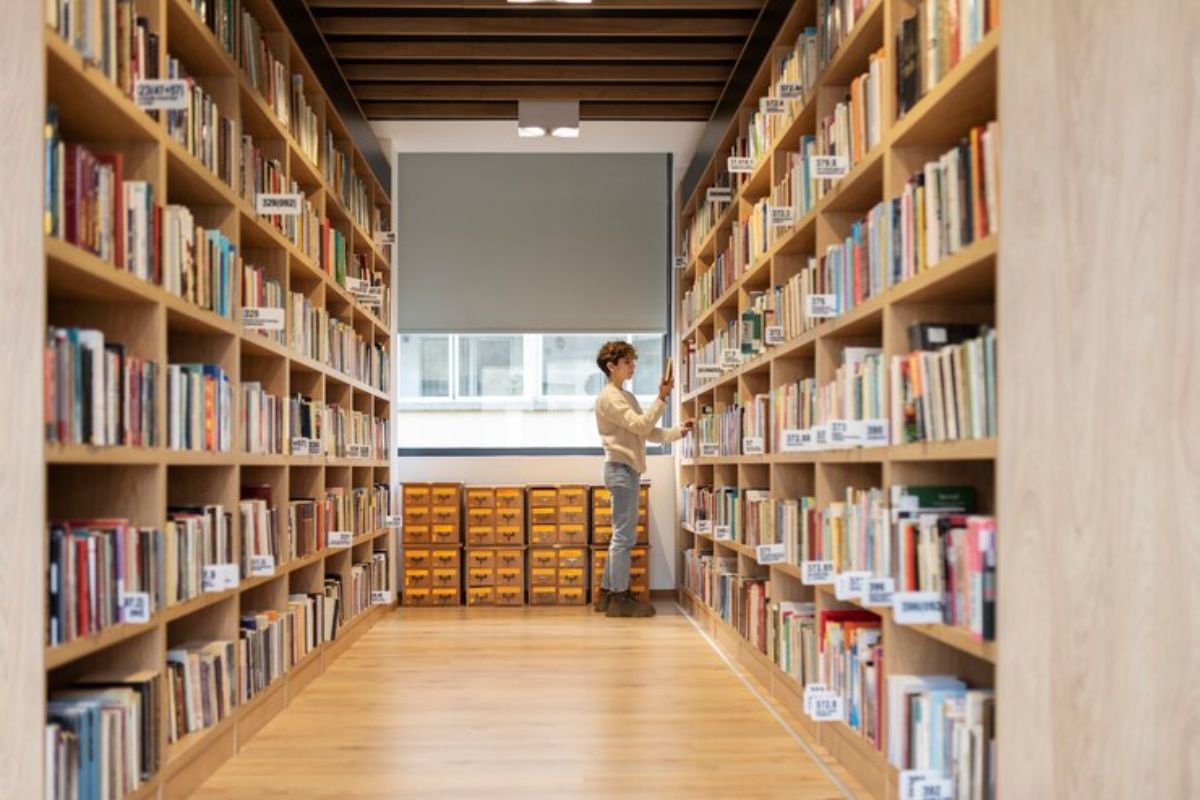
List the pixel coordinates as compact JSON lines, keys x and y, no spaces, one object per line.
{"x":542,"y":73}
{"x":534,"y":51}
{"x":508,"y":110}
{"x":508,"y":91}
{"x":557,"y":25}
{"x":600,"y":5}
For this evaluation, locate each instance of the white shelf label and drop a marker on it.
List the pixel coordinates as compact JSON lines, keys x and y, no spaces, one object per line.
{"x":731,"y":357}
{"x":219,"y":577}
{"x":934,"y":789}
{"x":339,"y":539}
{"x":770,"y":553}
{"x":380,"y":597}
{"x":791,"y":91}
{"x":917,"y":608}
{"x":356,"y":286}
{"x":875,"y":433}
{"x":773,"y":335}
{"x":681,"y":262}
{"x":314,"y":447}
{"x":710,"y":450}
{"x":161,"y":95}
{"x":845,"y":432}
{"x":782,"y":216}
{"x":810,"y":690}
{"x":820,"y":437}
{"x":772,"y":105}
{"x":708,"y":370}
{"x":704,"y":526}
{"x":262,"y":318}
{"x":299,"y":446}
{"x":849,"y":585}
{"x":832,"y":167}
{"x":724,"y":533}
{"x":719,"y":194}
{"x":816,"y":573}
{"x":793,"y":441}
{"x":385,"y":238}
{"x":827,"y":707}
{"x":753,"y":446}
{"x":262,"y":565}
{"x":393,"y":520}
{"x":135,"y":607}
{"x":911,"y":779}
{"x":879,"y":592}
{"x":288,"y":205}
{"x":822,"y":306}
{"x":739,"y":165}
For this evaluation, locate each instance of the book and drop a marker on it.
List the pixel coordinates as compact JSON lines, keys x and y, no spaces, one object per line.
{"x":947,"y":392}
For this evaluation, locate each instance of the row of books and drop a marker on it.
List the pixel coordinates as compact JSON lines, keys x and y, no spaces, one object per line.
{"x":221,"y":18}
{"x":199,"y":264}
{"x":347,"y":186}
{"x":936,"y":723}
{"x":835,"y":22}
{"x":265,"y":72}
{"x":96,"y":392}
{"x":101,"y":735}
{"x":199,"y":408}
{"x":305,"y":124}
{"x":260,"y":532}
{"x":264,"y":422}
{"x":261,"y":291}
{"x":738,"y":599}
{"x":946,"y":393}
{"x":934,"y":40}
{"x":855,"y":127}
{"x":202,"y":129}
{"x":110,"y":36}
{"x":91,"y":565}
{"x":201,"y":686}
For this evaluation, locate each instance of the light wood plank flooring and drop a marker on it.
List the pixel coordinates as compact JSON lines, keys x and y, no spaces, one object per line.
{"x":547,"y":702}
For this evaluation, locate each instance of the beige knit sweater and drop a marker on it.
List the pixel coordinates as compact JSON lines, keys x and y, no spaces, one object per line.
{"x":624,"y":428}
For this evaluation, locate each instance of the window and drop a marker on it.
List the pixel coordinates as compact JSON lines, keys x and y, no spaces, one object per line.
{"x":500,"y":391}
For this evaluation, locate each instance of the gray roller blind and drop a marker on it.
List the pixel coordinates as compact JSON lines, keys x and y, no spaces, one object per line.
{"x":532,"y":242}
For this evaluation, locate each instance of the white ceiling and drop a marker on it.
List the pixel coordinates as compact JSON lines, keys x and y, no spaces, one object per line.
{"x":500,"y":136}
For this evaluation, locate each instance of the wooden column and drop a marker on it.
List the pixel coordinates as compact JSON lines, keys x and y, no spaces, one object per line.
{"x":1099,"y":383}
{"x":22,"y":332}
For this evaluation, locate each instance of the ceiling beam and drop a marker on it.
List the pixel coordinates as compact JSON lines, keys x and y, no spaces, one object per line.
{"x":508,"y":110}
{"x":597,"y":5}
{"x":556,"y":25}
{"x":520,"y":91}
{"x":534,"y":51}
{"x":541,"y":73}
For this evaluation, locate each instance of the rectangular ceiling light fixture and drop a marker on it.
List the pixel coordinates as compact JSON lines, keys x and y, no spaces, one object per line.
{"x":557,"y":117}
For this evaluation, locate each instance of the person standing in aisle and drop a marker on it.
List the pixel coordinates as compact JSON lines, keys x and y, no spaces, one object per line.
{"x":624,"y":429}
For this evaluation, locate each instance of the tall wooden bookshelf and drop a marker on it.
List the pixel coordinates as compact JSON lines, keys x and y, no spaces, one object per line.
{"x":960,"y":288}
{"x":141,"y":483}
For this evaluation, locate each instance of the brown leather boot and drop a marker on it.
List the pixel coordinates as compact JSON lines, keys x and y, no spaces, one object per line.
{"x":603,"y":597}
{"x":624,"y":604}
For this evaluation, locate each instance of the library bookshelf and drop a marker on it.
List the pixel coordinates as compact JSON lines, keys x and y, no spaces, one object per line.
{"x":140,"y":484}
{"x":960,"y":288}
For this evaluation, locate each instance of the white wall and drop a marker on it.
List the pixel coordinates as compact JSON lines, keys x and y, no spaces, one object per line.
{"x":660,"y":471}
{"x":500,"y":136}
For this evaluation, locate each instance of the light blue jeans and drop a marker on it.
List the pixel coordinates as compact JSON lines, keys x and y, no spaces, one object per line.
{"x":623,"y":482}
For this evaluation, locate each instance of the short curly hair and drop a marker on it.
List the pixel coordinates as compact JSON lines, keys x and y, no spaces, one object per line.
{"x":612,"y":352}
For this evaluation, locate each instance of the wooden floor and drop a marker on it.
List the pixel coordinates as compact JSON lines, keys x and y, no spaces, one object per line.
{"x":551,"y":702}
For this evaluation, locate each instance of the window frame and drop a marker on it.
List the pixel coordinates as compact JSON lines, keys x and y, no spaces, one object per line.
{"x":533,"y":365}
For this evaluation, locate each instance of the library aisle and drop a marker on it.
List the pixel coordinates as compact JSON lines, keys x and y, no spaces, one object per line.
{"x":512,"y":702}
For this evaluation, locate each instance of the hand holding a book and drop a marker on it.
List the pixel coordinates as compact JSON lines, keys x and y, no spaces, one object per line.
{"x":668,"y":381}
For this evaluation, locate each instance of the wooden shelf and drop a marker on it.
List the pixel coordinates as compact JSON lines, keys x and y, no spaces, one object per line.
{"x":79,"y":287}
{"x":960,"y":287}
{"x":852,"y":56}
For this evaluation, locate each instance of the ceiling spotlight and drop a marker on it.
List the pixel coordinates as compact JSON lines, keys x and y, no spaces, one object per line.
{"x":537,"y":117}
